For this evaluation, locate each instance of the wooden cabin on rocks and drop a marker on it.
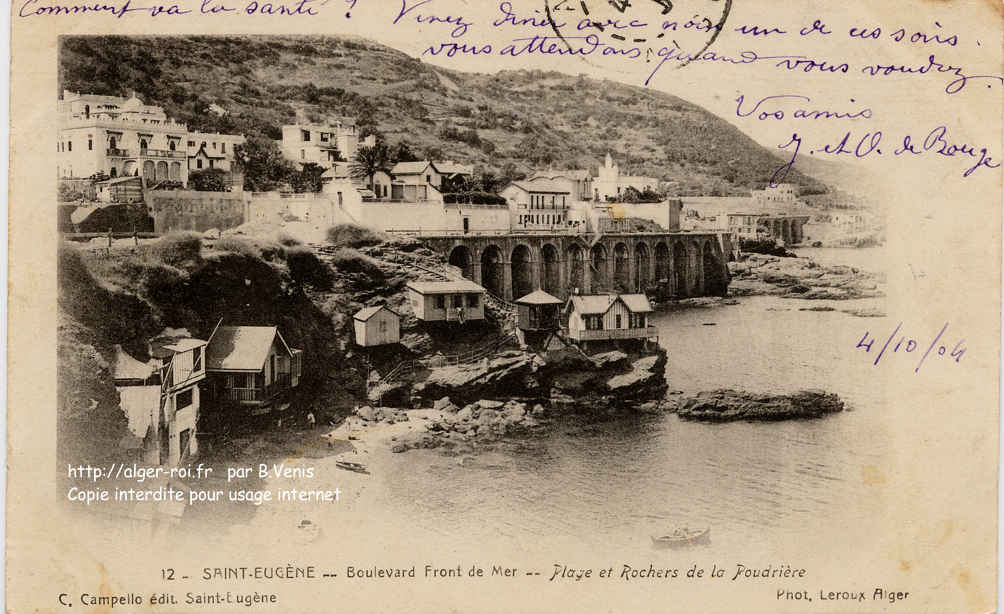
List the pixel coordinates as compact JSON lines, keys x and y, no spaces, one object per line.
{"x":447,"y":301}
{"x":253,"y":367}
{"x":539,"y":312}
{"x":378,"y":325}
{"x":609,"y":317}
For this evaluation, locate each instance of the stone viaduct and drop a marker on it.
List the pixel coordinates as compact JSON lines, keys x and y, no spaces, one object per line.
{"x":787,"y":228}
{"x":683,"y":264}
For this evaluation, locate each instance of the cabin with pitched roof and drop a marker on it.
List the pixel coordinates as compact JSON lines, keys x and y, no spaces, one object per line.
{"x":447,"y":301}
{"x":538,"y":311}
{"x":251,"y":366}
{"x":609,"y":317}
{"x":378,"y":325}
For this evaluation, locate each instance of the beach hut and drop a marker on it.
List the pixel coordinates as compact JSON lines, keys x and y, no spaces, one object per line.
{"x":538,"y":312}
{"x":609,"y":317}
{"x":378,"y":325}
{"x":459,"y":300}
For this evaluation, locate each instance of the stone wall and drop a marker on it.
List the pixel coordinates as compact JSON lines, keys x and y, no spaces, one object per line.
{"x":199,"y":211}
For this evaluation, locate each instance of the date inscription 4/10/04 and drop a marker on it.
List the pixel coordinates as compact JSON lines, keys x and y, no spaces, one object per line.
{"x":897,"y":342}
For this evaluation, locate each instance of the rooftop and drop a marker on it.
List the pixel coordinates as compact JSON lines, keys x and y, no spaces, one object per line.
{"x":241,"y":348}
{"x":539,"y":297}
{"x":592,"y":304}
{"x":445,"y":287}
{"x":412,"y":168}
{"x":541,"y":185}
{"x":368,"y":312}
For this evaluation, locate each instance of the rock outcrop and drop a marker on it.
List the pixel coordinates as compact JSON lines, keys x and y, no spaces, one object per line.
{"x":610,"y":377}
{"x":800,"y":278}
{"x":728,"y":405}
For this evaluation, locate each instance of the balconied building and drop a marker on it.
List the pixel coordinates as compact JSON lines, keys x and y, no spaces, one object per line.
{"x":322,"y":144}
{"x":212,"y":150}
{"x":124,"y":137}
{"x":119,"y":137}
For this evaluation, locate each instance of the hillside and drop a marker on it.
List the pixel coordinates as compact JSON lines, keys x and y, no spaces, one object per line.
{"x":530,"y":119}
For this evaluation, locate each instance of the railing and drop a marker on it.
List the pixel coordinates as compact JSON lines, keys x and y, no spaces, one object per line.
{"x":614,"y":333}
{"x":118,"y":153}
{"x":258,"y":395}
{"x":161,"y":153}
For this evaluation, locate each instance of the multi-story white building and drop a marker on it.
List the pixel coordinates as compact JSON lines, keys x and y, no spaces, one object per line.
{"x":539,"y":203}
{"x":119,"y":137}
{"x":123,"y":137}
{"x":322,"y":144}
{"x":212,"y":150}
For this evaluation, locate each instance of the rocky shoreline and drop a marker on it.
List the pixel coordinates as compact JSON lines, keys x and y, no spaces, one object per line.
{"x":726,"y":405}
{"x":801,"y":278}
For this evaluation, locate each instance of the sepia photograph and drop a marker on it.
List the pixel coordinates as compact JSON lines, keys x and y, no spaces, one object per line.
{"x":499,"y":308}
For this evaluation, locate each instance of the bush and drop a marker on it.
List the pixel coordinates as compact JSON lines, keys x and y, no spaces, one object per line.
{"x":179,"y":248}
{"x":476,"y":198}
{"x":287,"y":240}
{"x":237,"y":245}
{"x":208,"y":180}
{"x":350,"y":235}
{"x":252,"y":248}
{"x":306,"y":268}
{"x":351,"y":261}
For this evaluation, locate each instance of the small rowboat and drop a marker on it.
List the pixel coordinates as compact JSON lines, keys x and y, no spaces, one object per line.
{"x":351,"y":466}
{"x":307,"y":532}
{"x":683,"y":537}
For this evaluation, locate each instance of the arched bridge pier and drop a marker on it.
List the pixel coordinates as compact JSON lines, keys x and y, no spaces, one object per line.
{"x":675,"y":264}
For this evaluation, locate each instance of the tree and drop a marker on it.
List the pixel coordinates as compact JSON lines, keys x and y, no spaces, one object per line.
{"x":402,"y":152}
{"x":510,"y":173}
{"x":208,"y":180}
{"x":263,"y":164}
{"x":308,"y":178}
{"x":368,"y":161}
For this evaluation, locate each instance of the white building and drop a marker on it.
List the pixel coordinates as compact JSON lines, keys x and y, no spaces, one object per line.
{"x":322,"y":144}
{"x":609,"y":183}
{"x":118,"y":137}
{"x":212,"y":150}
{"x":539,"y":203}
{"x":123,"y":137}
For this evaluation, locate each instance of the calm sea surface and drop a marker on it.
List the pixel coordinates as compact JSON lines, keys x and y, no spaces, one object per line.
{"x":609,"y":485}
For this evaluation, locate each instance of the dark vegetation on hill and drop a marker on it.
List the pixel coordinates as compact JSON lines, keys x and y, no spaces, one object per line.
{"x":131,"y":294}
{"x":515,"y":119}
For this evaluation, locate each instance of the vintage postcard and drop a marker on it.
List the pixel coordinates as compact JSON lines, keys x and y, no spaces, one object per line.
{"x":515,"y":306}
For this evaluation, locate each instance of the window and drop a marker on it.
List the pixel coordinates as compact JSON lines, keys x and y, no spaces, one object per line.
{"x":142,"y":145}
{"x":198,"y":163}
{"x":472,"y":300}
{"x":223,"y":148}
{"x":383,"y":326}
{"x":440,"y":301}
{"x":90,"y":144}
{"x":211,"y":163}
{"x":87,"y":111}
{"x":324,"y":137}
{"x":214,"y":145}
{"x":197,"y":360}
{"x":172,"y":145}
{"x":305,"y":136}
{"x":428,"y":178}
{"x":69,"y":145}
{"x":191,"y":143}
{"x":112,"y":142}
{"x":183,"y":400}
{"x":617,"y":321}
{"x":594,"y":322}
